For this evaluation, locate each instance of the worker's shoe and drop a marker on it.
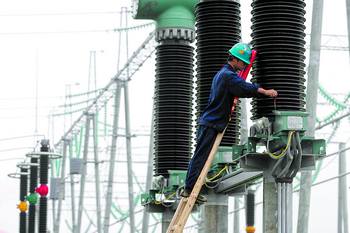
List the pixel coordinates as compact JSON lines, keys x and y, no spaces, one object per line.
{"x":200,"y":199}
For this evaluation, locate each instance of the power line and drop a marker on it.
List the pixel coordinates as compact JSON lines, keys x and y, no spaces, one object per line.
{"x":24,"y":136}
{"x":330,"y":179}
{"x":62,"y":13}
{"x":335,"y":153}
{"x":78,"y":31}
{"x":29,"y":98}
{"x":9,"y":159}
{"x":17,"y":148}
{"x":56,"y":32}
{"x":332,"y":121}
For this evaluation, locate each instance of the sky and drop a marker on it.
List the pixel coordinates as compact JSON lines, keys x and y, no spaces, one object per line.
{"x":45,"y":49}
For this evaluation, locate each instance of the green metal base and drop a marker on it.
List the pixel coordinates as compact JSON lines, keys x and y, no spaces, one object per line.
{"x":288,"y":121}
{"x":167,"y":13}
{"x":164,"y":196}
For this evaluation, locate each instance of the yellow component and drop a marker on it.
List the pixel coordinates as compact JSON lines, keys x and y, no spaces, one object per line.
{"x":22,"y":206}
{"x":170,"y":196}
{"x":218,"y":174}
{"x":250,"y":229}
{"x":283,"y":153}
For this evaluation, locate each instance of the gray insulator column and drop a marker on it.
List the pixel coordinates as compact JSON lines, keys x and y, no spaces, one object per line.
{"x":250,"y":208}
{"x":33,"y":182}
{"x":23,"y":191}
{"x":218,"y":25}
{"x":173,"y":101}
{"x":279,"y":38}
{"x":44,"y":176}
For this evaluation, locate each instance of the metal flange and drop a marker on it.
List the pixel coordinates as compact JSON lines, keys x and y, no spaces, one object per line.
{"x":23,"y":165}
{"x":175,"y":34}
{"x":50,"y":154}
{"x":17,"y":175}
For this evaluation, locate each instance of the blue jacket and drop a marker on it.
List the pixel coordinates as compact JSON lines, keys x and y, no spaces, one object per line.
{"x":225,"y":86}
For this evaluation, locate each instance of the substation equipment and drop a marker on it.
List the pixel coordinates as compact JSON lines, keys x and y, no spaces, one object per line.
{"x":277,"y":147}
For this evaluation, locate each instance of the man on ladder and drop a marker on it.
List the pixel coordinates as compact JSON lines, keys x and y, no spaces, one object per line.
{"x":225,"y":87}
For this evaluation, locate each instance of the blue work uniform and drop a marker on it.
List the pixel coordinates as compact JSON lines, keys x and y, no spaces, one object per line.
{"x":225,"y":86}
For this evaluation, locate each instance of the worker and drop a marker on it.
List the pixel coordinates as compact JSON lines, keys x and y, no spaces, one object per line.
{"x":225,"y":86}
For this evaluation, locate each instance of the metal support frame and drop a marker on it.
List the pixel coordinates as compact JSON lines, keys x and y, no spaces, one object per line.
{"x":311,"y":103}
{"x":74,"y":223}
{"x":343,"y":226}
{"x":83,"y":174}
{"x":285,"y":207}
{"x":237,"y":181}
{"x":132,"y":65}
{"x":112,"y":157}
{"x":128,"y":157}
{"x":243,"y":140}
{"x":145,"y":219}
{"x":127,"y":132}
{"x":348,"y":19}
{"x":97,"y":174}
{"x":56,"y":226}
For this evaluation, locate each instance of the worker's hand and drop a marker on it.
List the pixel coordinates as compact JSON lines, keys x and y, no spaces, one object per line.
{"x":271,"y":93}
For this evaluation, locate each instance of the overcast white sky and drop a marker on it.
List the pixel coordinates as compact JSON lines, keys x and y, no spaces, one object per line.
{"x":28,"y":52}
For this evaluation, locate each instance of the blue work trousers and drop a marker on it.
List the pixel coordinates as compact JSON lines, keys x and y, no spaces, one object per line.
{"x":205,"y":140}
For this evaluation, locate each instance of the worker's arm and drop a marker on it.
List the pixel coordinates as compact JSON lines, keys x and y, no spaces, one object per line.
{"x":240,"y":88}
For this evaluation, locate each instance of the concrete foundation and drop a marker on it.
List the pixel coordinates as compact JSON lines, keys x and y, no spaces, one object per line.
{"x":270,"y":206}
{"x":215,"y":214}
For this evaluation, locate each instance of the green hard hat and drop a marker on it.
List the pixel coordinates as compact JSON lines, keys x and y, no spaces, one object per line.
{"x":241,"y":51}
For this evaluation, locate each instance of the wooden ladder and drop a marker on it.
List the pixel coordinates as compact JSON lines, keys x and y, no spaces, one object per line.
{"x":186,"y":204}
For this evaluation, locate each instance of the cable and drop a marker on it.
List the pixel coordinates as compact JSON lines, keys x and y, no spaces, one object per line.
{"x":275,"y":156}
{"x":218,"y":174}
{"x":217,"y":181}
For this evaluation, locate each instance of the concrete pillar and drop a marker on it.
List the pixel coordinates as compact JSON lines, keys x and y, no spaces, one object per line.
{"x":166,"y":219}
{"x":236,"y":218}
{"x":215,"y":213}
{"x":270,"y":205}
